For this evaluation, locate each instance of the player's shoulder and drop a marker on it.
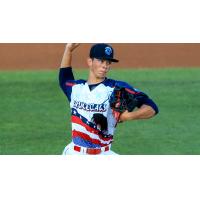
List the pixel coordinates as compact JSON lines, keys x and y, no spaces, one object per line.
{"x":71,"y":83}
{"x":114,"y":83}
{"x":80,"y":81}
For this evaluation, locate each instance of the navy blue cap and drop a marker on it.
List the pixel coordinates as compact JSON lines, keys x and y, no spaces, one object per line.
{"x":102,"y":51}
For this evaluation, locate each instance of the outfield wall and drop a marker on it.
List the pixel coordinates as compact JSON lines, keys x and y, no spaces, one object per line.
{"x":48,"y":56}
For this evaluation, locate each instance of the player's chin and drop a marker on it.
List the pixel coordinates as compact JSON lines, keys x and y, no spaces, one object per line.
{"x":101,"y":75}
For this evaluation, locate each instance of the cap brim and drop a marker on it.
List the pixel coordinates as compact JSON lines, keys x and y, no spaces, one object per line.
{"x":114,"y":60}
{"x":110,"y":59}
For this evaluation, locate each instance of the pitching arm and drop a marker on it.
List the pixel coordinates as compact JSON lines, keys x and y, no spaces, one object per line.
{"x":67,"y":56}
{"x":66,"y":77}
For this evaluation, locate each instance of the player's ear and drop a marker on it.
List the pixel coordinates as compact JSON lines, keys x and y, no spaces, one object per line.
{"x":89,"y":62}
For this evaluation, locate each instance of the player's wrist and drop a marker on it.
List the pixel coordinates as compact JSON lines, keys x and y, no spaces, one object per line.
{"x":68,"y":51}
{"x":125,"y":116}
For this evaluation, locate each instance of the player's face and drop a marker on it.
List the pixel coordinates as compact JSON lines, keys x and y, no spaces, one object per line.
{"x":100,"y":67}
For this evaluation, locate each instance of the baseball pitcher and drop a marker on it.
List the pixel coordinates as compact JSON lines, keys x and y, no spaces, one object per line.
{"x":98,"y":104}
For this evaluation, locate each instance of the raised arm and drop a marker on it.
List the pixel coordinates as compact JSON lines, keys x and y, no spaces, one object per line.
{"x":67,"y":56}
{"x":65,"y":72}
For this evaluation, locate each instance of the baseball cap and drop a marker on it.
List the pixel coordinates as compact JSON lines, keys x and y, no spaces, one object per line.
{"x":102,"y":51}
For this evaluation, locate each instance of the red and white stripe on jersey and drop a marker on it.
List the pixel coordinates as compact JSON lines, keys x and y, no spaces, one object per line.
{"x":86,"y":132}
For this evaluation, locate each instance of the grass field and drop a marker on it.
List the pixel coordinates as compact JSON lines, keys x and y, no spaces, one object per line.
{"x":34,"y":113}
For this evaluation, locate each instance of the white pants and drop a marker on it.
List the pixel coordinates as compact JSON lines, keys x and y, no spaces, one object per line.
{"x":69,"y":150}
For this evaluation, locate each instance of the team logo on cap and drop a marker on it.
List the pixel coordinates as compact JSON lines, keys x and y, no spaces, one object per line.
{"x":108,"y":51}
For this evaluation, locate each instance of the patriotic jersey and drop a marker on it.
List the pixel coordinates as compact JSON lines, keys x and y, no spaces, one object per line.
{"x":86,"y":100}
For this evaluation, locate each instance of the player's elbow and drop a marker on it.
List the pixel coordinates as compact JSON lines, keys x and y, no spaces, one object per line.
{"x":152,"y":112}
{"x":148,"y":112}
{"x":153,"y":106}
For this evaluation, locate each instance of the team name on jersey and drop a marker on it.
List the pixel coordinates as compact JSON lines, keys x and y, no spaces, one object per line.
{"x":90,"y":107}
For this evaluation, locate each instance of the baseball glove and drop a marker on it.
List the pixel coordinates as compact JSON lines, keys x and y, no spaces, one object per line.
{"x":121,"y":100}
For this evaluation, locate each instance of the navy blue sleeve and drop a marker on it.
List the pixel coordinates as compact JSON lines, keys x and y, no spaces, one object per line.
{"x":66,"y":81}
{"x":147,"y":101}
{"x":65,"y":74}
{"x":143,"y":99}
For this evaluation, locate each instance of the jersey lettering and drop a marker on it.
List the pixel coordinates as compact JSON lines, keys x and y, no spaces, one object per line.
{"x":91,"y":107}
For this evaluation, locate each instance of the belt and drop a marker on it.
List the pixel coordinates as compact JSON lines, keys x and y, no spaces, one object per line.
{"x":91,"y":151}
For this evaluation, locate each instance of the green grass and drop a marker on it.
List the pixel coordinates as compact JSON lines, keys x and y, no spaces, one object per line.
{"x":35,"y":118}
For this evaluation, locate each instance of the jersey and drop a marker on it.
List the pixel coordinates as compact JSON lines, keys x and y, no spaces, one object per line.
{"x":86,"y":100}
